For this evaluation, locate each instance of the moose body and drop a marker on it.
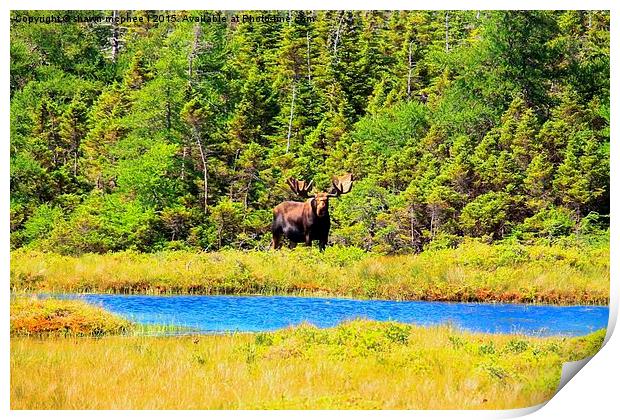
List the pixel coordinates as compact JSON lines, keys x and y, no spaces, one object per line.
{"x":308,"y":221}
{"x":300,"y":222}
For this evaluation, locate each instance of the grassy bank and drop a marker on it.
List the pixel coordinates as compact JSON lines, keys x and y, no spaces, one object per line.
{"x":53,"y":317}
{"x":44,"y":318}
{"x":472,"y":272}
{"x":360,"y":364}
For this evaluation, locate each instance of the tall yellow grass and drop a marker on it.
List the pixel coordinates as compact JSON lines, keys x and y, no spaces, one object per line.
{"x":361,"y":364}
{"x":473,"y":272}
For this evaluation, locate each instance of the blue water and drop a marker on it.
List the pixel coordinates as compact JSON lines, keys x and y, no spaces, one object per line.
{"x":266,"y":313}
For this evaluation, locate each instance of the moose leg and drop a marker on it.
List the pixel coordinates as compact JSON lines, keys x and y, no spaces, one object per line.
{"x":276,"y":243}
{"x":276,"y":234}
{"x":308,"y":240}
{"x":292,"y":244}
{"x":322,"y":244}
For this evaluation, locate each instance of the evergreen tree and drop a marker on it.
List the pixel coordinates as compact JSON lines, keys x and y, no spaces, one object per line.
{"x":177,"y":134}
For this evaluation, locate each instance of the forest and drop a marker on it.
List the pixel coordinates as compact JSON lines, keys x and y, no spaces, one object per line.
{"x":180,"y":135}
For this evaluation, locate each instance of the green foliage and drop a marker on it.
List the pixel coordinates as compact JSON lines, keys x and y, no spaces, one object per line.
{"x":516,"y":346}
{"x":103,"y":224}
{"x":42,"y":221}
{"x":226,"y":218}
{"x":550,"y":223}
{"x":444,"y":241}
{"x":359,"y":210}
{"x":487,"y":348}
{"x":593,"y":225}
{"x":488,"y":214}
{"x":146,"y":178}
{"x":491,"y":124}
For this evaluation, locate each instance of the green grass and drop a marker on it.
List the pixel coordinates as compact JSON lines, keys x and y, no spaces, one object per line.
{"x":359,"y":364}
{"x":472,"y":272}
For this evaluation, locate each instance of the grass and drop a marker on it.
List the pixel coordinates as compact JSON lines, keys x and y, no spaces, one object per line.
{"x":55,"y":317}
{"x":70,"y":355}
{"x":473,"y":272}
{"x":359,"y":364}
{"x":50,"y":317}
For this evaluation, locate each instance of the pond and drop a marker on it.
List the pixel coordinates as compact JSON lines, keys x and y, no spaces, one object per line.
{"x":266,"y":313}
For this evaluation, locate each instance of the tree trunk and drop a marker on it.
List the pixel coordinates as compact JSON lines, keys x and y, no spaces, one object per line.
{"x":75,"y":145}
{"x":247,"y":193}
{"x":75,"y":162}
{"x":205,"y":173}
{"x":433,"y":221}
{"x":338,"y":34}
{"x":290,"y":121}
{"x":115,"y":36}
{"x":193,"y":53}
{"x":411,"y":226}
{"x":183,"y":163}
{"x":168,"y":110}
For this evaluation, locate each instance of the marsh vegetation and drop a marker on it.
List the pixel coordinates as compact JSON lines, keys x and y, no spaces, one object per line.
{"x":474,"y":271}
{"x":359,"y":364}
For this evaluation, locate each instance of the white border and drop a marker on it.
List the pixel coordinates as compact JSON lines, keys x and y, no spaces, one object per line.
{"x":593,"y":393}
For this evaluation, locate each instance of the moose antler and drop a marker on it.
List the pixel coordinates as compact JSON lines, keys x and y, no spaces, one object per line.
{"x":299,"y":187}
{"x":341,"y":185}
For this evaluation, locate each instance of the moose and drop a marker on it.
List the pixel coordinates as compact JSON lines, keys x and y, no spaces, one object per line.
{"x":307,"y":221}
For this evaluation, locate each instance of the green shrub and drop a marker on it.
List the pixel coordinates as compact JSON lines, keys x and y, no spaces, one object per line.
{"x":551,"y":223}
{"x":41,"y":223}
{"x":444,"y":241}
{"x":104,"y":223}
{"x":516,"y":346}
{"x":487,"y":214}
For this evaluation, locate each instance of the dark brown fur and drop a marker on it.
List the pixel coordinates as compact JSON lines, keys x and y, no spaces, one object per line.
{"x":301,"y":222}
{"x":308,"y":221}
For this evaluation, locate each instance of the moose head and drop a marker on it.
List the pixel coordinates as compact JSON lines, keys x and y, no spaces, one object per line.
{"x":307,"y":221}
{"x":320,"y":200}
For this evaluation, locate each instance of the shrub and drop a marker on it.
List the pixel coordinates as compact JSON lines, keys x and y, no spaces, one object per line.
{"x":104,"y":223}
{"x":486,"y":215}
{"x":40,"y":224}
{"x":444,"y":241}
{"x":551,"y":223}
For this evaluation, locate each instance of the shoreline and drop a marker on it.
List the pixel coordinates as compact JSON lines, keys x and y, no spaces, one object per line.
{"x":474,"y":272}
{"x":54,"y":294}
{"x":73,"y":316}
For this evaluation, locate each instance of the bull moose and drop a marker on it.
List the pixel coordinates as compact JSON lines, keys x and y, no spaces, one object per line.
{"x":307,"y":221}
